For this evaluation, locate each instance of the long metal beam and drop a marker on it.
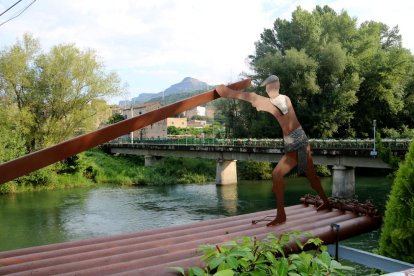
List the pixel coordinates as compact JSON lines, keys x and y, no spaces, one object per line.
{"x":42,"y":158}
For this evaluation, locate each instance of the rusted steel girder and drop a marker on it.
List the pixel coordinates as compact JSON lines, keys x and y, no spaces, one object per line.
{"x":42,"y":158}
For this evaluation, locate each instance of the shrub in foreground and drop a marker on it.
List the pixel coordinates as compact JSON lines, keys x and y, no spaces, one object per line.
{"x":397,"y":237}
{"x":249,"y":256}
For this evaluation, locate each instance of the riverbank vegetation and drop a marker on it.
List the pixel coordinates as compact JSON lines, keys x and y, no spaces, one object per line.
{"x":95,"y":167}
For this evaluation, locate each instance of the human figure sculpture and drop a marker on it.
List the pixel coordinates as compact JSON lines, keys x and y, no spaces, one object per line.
{"x":297,"y":148}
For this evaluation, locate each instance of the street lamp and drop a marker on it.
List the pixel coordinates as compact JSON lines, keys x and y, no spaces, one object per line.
{"x":213,"y":129}
{"x":132,"y":132}
{"x":374,"y":152}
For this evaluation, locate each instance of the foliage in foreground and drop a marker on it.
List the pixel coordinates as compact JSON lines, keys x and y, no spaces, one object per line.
{"x":397,"y":237}
{"x":249,"y":256}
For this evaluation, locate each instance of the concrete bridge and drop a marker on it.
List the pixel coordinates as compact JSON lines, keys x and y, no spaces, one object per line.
{"x":341,"y":155}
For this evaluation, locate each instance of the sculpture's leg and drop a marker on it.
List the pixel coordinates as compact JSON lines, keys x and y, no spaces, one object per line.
{"x":316,"y":182}
{"x":285,"y":165}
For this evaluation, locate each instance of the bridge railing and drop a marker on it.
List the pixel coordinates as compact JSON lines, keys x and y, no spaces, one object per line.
{"x":350,"y":143}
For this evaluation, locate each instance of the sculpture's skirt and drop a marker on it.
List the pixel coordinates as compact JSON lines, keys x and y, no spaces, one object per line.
{"x":298,"y":141}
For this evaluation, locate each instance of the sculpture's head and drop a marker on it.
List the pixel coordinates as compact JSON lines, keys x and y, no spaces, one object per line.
{"x":272,"y":85}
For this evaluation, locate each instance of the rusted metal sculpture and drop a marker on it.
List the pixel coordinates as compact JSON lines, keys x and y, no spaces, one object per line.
{"x":297,"y":149}
{"x":42,"y":158}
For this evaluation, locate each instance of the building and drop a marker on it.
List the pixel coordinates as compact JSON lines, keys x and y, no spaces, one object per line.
{"x":200,"y":111}
{"x":197,"y":123}
{"x":177,"y":122}
{"x":210,"y":112}
{"x":197,"y":111}
{"x":156,"y":130}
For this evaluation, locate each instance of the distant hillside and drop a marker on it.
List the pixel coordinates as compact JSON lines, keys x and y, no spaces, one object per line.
{"x":175,"y":97}
{"x":187,"y":85}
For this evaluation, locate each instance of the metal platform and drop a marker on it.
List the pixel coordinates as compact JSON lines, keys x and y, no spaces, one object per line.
{"x":152,"y":252}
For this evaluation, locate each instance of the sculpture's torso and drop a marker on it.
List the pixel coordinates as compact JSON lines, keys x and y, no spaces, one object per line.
{"x":281,"y":102}
{"x":288,"y":120}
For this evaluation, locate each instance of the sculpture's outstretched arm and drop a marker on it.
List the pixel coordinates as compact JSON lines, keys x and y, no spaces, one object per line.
{"x":226,"y":92}
{"x":259,"y":102}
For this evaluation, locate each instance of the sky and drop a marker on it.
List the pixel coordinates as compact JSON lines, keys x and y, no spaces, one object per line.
{"x":154,"y":44}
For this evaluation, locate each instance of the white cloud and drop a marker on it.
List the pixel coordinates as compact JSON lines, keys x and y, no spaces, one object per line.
{"x":153,"y":44}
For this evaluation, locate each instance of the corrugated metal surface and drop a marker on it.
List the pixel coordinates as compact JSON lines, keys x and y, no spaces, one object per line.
{"x":151,"y":252}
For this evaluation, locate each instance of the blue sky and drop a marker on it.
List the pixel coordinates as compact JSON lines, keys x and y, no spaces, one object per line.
{"x":154,"y":44}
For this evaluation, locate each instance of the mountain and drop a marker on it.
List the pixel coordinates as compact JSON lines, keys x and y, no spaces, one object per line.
{"x":187,"y":85}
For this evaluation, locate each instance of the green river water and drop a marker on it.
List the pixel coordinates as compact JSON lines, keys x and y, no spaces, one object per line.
{"x":38,"y":218}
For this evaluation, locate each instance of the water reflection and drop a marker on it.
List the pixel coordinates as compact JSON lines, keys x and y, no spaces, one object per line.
{"x":227,"y":195}
{"x":30,"y":219}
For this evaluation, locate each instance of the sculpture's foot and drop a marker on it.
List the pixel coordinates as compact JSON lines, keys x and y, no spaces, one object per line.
{"x":324,"y":206}
{"x":280,"y":219}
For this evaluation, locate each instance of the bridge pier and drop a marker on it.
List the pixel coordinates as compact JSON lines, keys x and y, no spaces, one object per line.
{"x":226,"y":172}
{"x":151,"y":160}
{"x":343,"y":181}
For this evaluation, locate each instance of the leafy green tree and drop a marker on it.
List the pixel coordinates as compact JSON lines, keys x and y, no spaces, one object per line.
{"x":339,"y":76}
{"x":115,"y":118}
{"x":397,"y":237}
{"x":232,"y":117}
{"x":387,"y":70}
{"x":52,"y":91}
{"x":172,"y":130}
{"x":11,"y":140}
{"x":314,"y":67}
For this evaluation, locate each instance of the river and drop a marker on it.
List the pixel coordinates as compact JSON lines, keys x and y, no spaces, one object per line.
{"x":43,"y":217}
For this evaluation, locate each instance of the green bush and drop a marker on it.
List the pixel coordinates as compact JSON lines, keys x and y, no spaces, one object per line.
{"x":36,"y":178}
{"x":69,"y":165}
{"x":323,"y":170}
{"x":386,"y":154}
{"x":397,"y":237}
{"x":105,"y":168}
{"x":172,"y":170}
{"x":249,"y":256}
{"x":254,"y":170}
{"x":8,"y":188}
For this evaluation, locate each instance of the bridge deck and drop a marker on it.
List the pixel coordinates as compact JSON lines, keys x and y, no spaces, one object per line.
{"x":151,"y":252}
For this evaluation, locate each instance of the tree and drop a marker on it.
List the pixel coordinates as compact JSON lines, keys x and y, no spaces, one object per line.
{"x":11,"y":140}
{"x":339,"y":76}
{"x":397,"y":237}
{"x":230,"y":110}
{"x":52,"y":91}
{"x":115,"y":118}
{"x":387,"y":70}
{"x":172,"y":130}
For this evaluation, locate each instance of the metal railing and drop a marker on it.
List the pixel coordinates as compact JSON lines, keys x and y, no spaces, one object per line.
{"x":347,"y":143}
